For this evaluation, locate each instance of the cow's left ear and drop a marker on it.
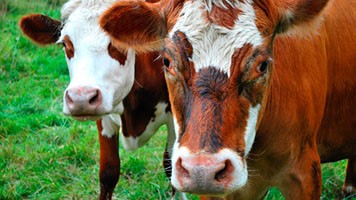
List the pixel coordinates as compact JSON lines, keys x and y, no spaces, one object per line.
{"x":135,"y":24}
{"x":298,"y":16}
{"x":41,"y":28}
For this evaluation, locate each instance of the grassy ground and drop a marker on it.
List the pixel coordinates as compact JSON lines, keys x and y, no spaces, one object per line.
{"x":45,"y":155}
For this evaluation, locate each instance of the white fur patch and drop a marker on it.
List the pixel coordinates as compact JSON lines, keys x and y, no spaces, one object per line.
{"x":176,"y":127}
{"x":171,"y":137}
{"x":111,"y":125}
{"x":160,"y":117}
{"x":240,"y":172}
{"x":177,"y":152}
{"x":250,"y":132}
{"x":92,"y":66}
{"x":214,"y":45}
{"x":129,"y":143}
{"x":94,"y":5}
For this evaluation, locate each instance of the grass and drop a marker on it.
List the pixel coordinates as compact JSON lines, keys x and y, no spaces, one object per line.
{"x":45,"y":155}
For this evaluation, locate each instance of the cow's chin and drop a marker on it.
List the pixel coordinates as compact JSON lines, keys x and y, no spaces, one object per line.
{"x":94,"y":115}
{"x":85,"y":116}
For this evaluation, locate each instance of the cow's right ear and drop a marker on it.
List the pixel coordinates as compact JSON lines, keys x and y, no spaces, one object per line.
{"x":40,"y":28}
{"x":135,"y":24}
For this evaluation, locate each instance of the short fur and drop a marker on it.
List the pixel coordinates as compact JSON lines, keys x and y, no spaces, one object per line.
{"x":305,"y":96}
{"x":96,"y":65}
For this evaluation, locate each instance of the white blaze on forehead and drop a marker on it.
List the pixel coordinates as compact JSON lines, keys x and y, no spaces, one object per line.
{"x":93,"y":5}
{"x":214,"y":45}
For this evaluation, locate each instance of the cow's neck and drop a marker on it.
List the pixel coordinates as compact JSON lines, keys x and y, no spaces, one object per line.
{"x":148,"y":91}
{"x":148,"y":72}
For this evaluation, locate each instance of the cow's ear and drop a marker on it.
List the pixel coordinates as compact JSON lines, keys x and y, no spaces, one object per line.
{"x":40,"y":28}
{"x":299,"y":16}
{"x":135,"y":24}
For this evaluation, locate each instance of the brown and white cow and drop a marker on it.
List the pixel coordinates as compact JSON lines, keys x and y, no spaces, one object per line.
{"x":252,"y":108}
{"x":106,"y":83}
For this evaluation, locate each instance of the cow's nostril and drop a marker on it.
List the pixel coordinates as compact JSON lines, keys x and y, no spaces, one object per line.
{"x":220,"y":174}
{"x":224,"y":172}
{"x":93,"y":99}
{"x":182,"y":171}
{"x":96,"y":98}
{"x":68,"y":98}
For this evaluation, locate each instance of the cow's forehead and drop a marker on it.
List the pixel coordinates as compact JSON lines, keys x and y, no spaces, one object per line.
{"x":213,"y":44}
{"x":83,"y":29}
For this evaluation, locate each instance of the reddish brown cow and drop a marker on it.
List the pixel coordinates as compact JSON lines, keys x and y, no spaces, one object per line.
{"x":104,"y":85}
{"x":252,"y":109}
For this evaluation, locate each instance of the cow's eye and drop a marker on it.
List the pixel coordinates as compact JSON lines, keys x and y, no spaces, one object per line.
{"x":166,"y":62}
{"x":263,"y":67}
{"x":168,"y":66}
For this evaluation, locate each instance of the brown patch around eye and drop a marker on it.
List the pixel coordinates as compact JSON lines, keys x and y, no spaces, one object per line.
{"x":259,"y":66}
{"x":167,"y":62}
{"x":68,"y":47}
{"x":253,"y":82}
{"x":183,"y":43}
{"x":237,"y":61}
{"x":247,"y":73}
{"x":184,"y":49}
{"x":116,"y":54}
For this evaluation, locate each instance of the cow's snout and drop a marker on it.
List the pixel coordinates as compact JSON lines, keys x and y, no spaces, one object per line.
{"x":83,"y":101}
{"x":204,"y":174}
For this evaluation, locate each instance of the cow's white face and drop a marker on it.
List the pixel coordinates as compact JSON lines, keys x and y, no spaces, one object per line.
{"x":100,"y":75}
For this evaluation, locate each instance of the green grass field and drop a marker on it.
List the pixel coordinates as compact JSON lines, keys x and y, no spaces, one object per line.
{"x":45,"y":155}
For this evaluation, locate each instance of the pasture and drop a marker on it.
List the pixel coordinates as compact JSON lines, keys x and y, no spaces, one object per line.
{"x":46,"y":155}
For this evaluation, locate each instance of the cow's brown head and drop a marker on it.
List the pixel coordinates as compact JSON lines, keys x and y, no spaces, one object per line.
{"x":218,"y":60}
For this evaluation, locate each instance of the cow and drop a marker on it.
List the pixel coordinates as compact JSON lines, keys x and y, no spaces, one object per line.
{"x":262,"y":91}
{"x":113,"y":87}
